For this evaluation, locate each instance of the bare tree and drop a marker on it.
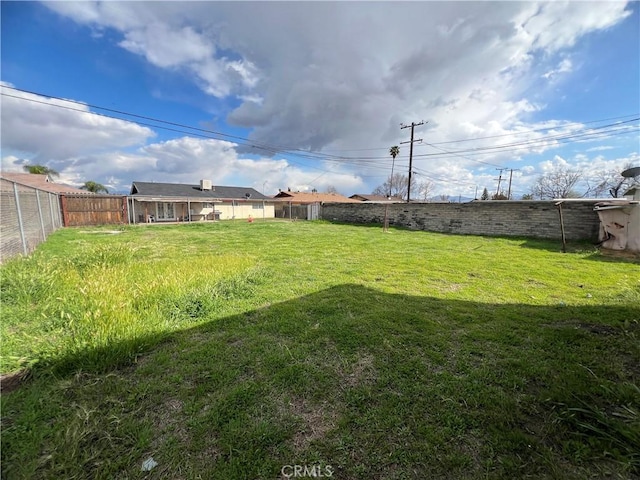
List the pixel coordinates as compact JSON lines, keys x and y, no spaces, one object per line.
{"x":558,"y":183}
{"x":395,"y":186}
{"x":331,"y":189}
{"x":611,"y":182}
{"x":444,"y":198}
{"x":425,"y":188}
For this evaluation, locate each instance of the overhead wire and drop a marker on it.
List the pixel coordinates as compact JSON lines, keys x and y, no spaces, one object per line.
{"x":364,"y":160}
{"x":370,"y":162}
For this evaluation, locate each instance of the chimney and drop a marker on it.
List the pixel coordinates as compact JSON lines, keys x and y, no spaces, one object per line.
{"x":205,"y":185}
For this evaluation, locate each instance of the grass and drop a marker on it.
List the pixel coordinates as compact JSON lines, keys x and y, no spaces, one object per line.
{"x":230,"y":350}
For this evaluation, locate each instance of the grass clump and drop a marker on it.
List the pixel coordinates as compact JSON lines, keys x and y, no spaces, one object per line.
{"x":230,"y":350}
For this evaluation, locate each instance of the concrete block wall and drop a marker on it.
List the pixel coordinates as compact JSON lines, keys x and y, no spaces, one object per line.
{"x":537,"y":219}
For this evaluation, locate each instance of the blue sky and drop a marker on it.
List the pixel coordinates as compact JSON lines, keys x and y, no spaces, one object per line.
{"x":322,"y":89}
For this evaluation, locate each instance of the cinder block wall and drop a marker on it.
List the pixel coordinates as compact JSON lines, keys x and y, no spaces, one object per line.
{"x":538,"y":219}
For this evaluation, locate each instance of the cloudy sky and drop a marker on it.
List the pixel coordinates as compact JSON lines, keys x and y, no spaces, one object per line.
{"x":309,"y":95}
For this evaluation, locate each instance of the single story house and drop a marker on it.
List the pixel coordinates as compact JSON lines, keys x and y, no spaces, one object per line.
{"x":305,"y":205}
{"x":368,"y":197}
{"x":178,"y":202}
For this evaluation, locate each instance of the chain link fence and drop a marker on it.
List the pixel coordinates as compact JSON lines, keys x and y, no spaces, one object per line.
{"x":27,"y":216}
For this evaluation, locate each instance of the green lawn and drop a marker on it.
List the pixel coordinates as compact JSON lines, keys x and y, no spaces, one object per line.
{"x":231,"y":350}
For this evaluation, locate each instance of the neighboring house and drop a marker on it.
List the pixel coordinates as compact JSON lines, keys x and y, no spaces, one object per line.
{"x":174,"y":202}
{"x":305,"y":205}
{"x":367,"y":197}
{"x":305,"y":198}
{"x":42,"y":182}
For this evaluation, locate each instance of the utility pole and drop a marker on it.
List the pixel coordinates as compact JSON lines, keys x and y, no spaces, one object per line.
{"x":511,"y":170}
{"x":410,"y":142}
{"x":500,"y":179}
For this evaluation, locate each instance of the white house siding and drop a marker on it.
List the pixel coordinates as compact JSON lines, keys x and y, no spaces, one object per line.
{"x":140,"y":211}
{"x":245,"y":209}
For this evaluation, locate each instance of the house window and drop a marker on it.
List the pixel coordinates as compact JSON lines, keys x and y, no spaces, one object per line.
{"x":257,"y":206}
{"x":165,"y":211}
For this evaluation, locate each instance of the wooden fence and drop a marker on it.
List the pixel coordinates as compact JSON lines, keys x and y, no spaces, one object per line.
{"x":82,"y":210}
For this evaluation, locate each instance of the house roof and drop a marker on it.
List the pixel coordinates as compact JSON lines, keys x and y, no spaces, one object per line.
{"x":305,"y":197}
{"x":368,"y":197}
{"x":42,"y":182}
{"x":217,"y":192}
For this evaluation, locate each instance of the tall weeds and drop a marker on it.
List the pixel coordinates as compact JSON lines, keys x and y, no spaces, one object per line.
{"x":99,"y":308}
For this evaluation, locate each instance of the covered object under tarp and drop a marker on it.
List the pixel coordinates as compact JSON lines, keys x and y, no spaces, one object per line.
{"x":620,"y":222}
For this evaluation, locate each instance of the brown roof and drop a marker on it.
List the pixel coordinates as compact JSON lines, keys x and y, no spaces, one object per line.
{"x":368,"y":197}
{"x":42,"y":182}
{"x":305,"y":197}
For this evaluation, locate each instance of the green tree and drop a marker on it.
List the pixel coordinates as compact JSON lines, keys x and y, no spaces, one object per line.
{"x":40,"y":170}
{"x":94,"y":187}
{"x":485,"y":194}
{"x":394,"y":152}
{"x":527,"y":196}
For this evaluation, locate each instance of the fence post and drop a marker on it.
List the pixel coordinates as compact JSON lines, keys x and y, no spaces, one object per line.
{"x":24,"y":240}
{"x":44,"y":235}
{"x":53,"y":218}
{"x":125,"y":210}
{"x":65,"y":214}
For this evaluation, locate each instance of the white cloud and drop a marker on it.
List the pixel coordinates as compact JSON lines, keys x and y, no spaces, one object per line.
{"x":47,"y":129}
{"x":558,"y":25}
{"x":565,"y":66}
{"x":167,"y":47}
{"x":600,"y":148}
{"x":335,"y":75}
{"x":170,"y":35}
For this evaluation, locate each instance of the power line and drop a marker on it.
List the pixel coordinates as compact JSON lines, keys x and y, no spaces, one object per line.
{"x":515,"y":133}
{"x":524,"y":132}
{"x":602,"y":131}
{"x":410,"y":142}
{"x":532,"y":143}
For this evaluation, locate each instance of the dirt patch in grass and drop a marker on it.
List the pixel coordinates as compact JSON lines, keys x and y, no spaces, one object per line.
{"x":362,"y":372}
{"x":447,"y":287}
{"x":167,"y":420}
{"x":12,"y":381}
{"x":599,"y":329}
{"x":317,"y":421}
{"x":596,"y":328}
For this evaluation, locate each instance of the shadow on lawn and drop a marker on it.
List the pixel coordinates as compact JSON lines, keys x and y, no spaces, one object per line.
{"x":379,"y":385}
{"x":595,"y":252}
